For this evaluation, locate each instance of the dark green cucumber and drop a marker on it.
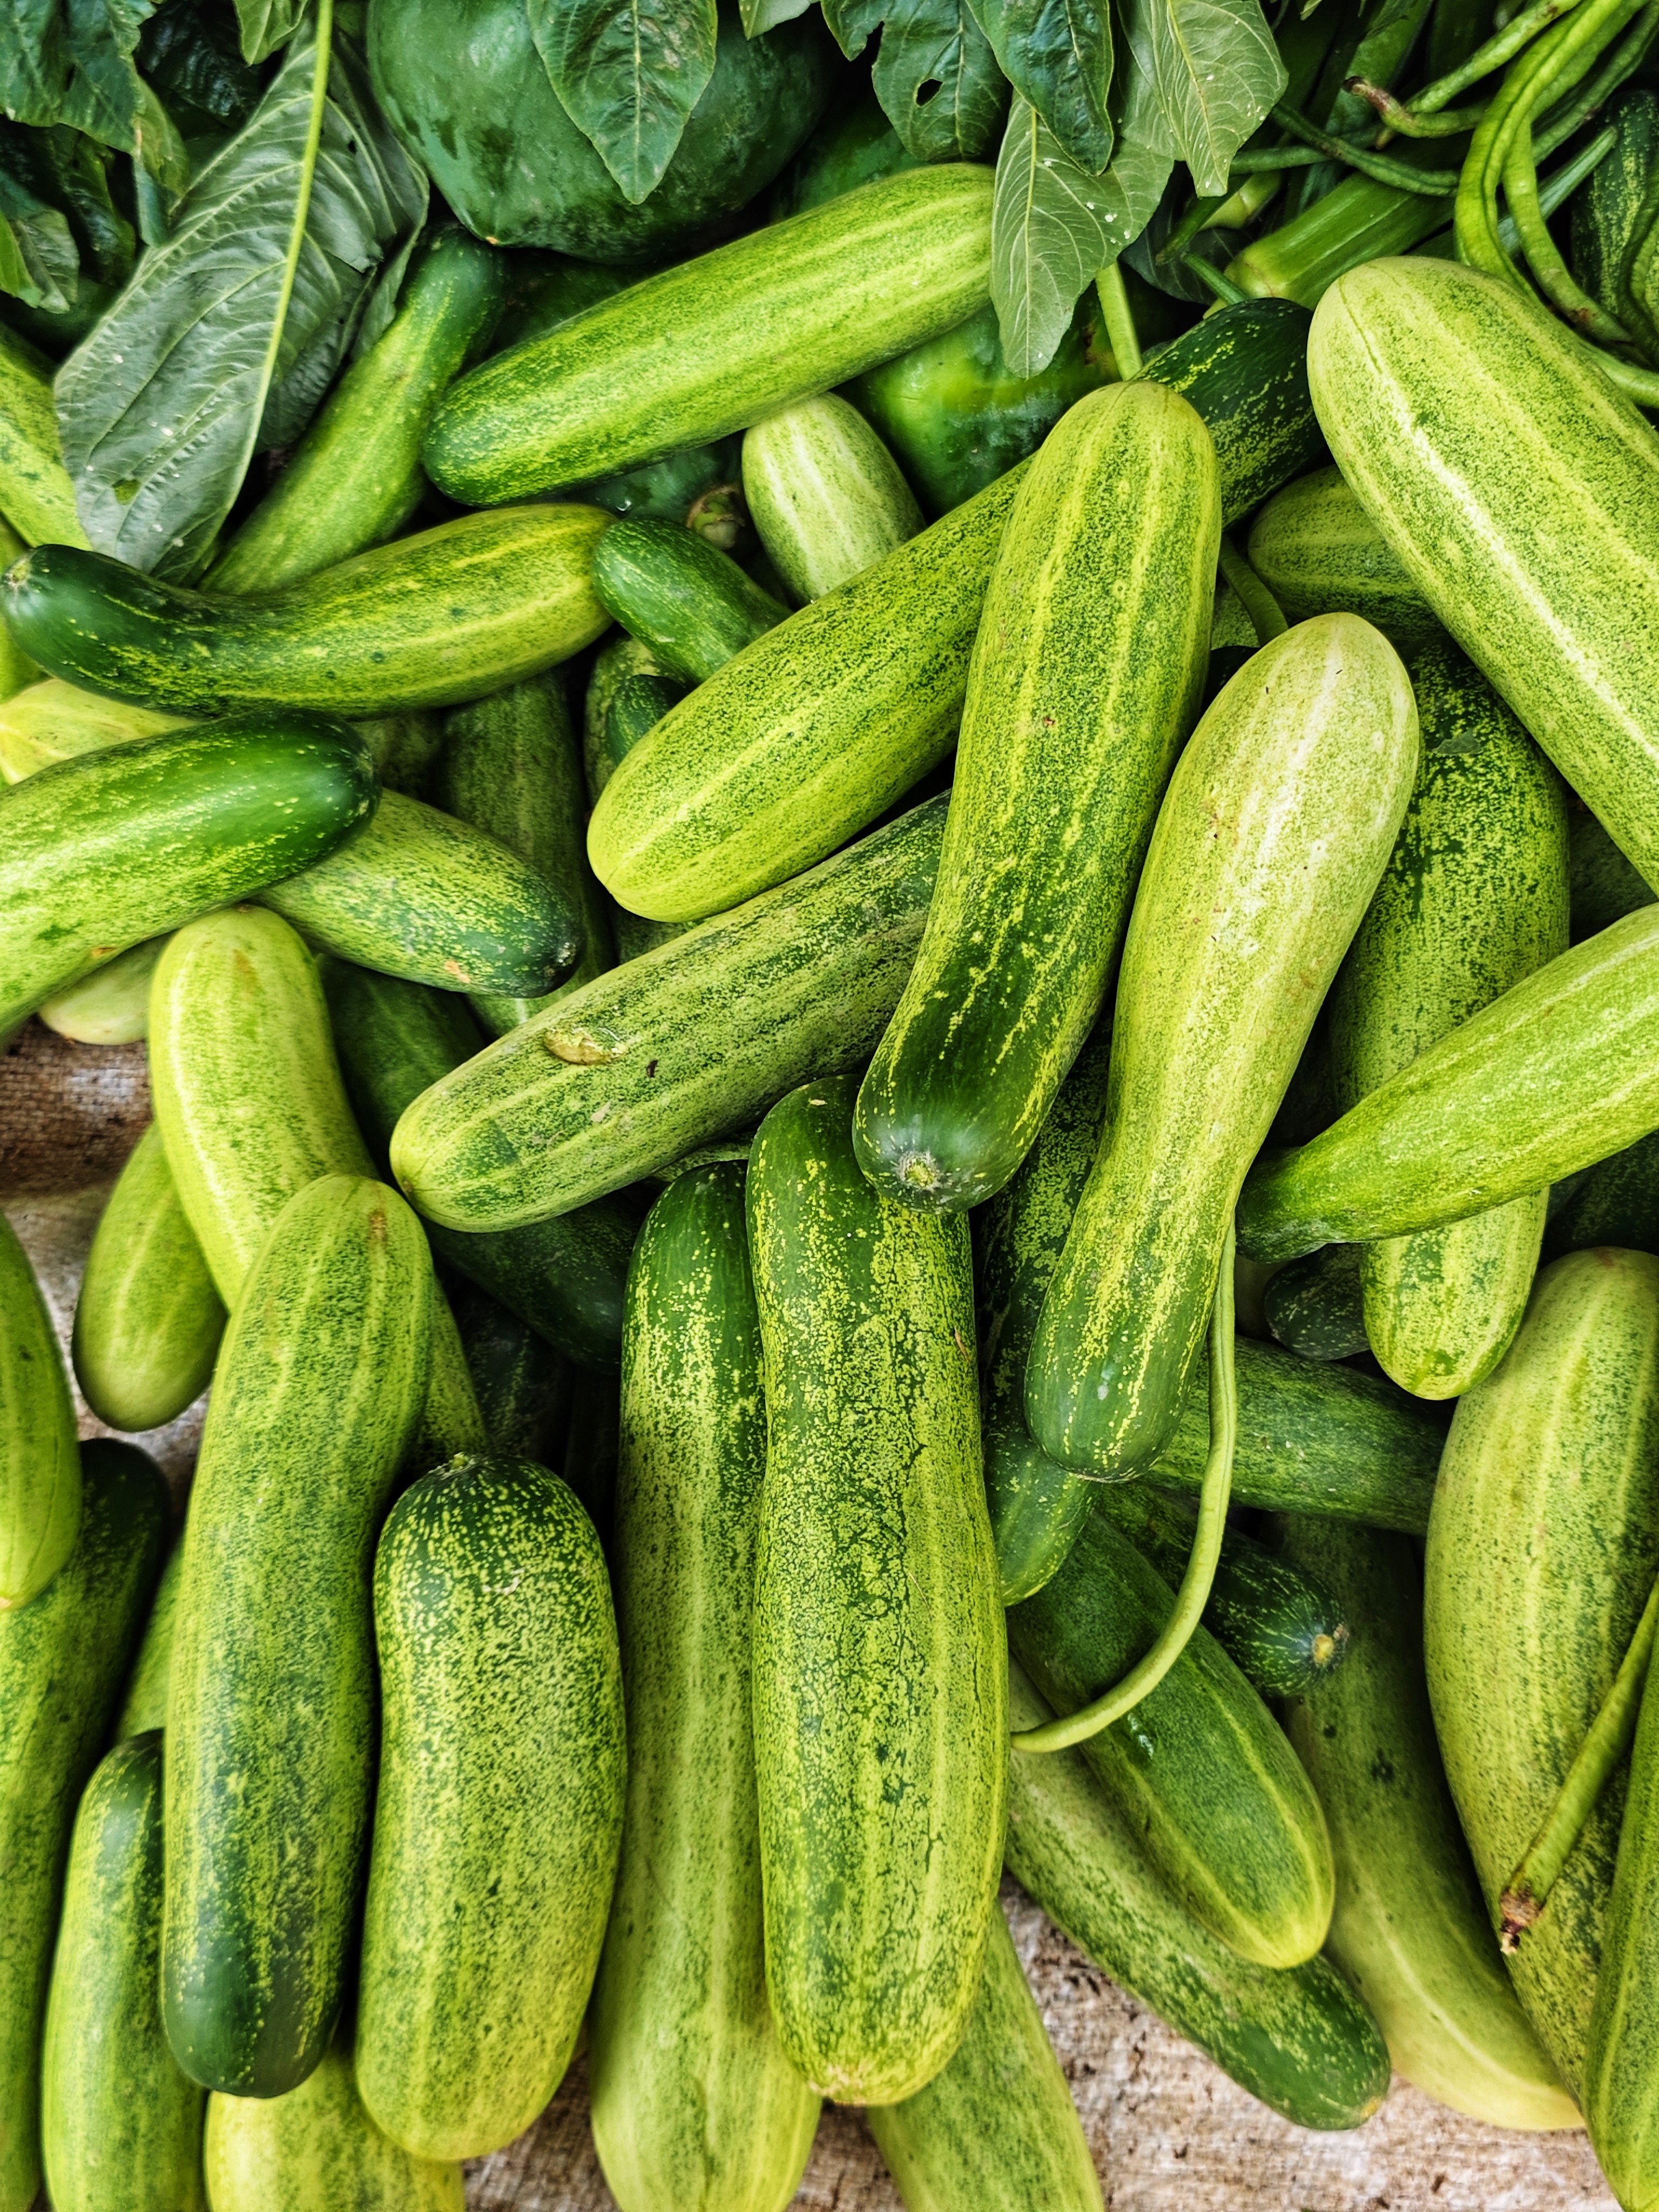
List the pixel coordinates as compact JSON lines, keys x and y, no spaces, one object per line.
{"x":524,"y":1387}
{"x":640,"y":1066}
{"x":316,"y":2146}
{"x":120,"y":2126}
{"x":693,"y":2103}
{"x":405,"y":747}
{"x":683,"y":597}
{"x":880,"y":1683}
{"x":1317,"y":1306}
{"x":115,"y":847}
{"x":1299,"y":2037}
{"x":565,"y":1277}
{"x":62,"y":1660}
{"x":1617,"y":1202}
{"x":36,"y":496}
{"x":39,"y":1461}
{"x":498,"y":1815}
{"x":1604,"y":886}
{"x":430,"y":621}
{"x":1245,"y":370}
{"x":592,"y":1447}
{"x":826,"y":497}
{"x":619,"y":658}
{"x":1607,"y":207}
{"x":855,"y":144}
{"x":1319,"y":553}
{"x":1225,"y":1814}
{"x":145,"y":1699}
{"x":1078,"y":704}
{"x":637,"y":705}
{"x":452,"y":1419}
{"x":271,"y":1709}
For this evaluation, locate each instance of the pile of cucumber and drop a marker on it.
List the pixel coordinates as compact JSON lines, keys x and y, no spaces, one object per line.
{"x":908,"y":1123}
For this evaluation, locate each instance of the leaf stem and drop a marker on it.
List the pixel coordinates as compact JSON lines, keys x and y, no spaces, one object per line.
{"x":308,"y":172}
{"x":1226,"y":291}
{"x":1121,"y":333}
{"x":1431,"y":184}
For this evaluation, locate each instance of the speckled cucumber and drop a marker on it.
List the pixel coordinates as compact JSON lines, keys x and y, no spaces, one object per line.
{"x":52,"y":721}
{"x":617,"y":658}
{"x":17,"y":671}
{"x":695,"y":2106}
{"x":1277,"y":824}
{"x":36,"y":496}
{"x":826,"y":496}
{"x":1078,"y":702}
{"x":880,"y":1680}
{"x":1474,"y":899}
{"x":318,"y":2146}
{"x":637,"y":705}
{"x":317,"y":1393}
{"x":112,"y":1004}
{"x":1315,"y":1306}
{"x":638,"y":1067}
{"x":691,"y":602}
{"x":1319,"y":553}
{"x":145,"y":1699}
{"x":1245,"y":369}
{"x":429,"y":621}
{"x":120,"y":2126}
{"x":524,"y":1387}
{"x":1542,"y":1549}
{"x":39,"y":1462}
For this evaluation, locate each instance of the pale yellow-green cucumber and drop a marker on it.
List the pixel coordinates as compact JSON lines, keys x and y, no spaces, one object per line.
{"x":825,"y":495}
{"x":40,"y":1460}
{"x":112,"y":1004}
{"x":36,"y":494}
{"x":53,"y":721}
{"x":317,"y":2146}
{"x":1319,"y":553}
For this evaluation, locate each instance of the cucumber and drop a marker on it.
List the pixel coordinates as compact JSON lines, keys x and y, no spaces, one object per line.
{"x":246,"y":1089}
{"x":1473,"y":900}
{"x":880,"y":1681}
{"x":997,"y":2131}
{"x":1245,"y":370}
{"x":39,"y":1462}
{"x":695,"y":2106}
{"x":316,"y":2146}
{"x":524,"y":1388}
{"x":565,"y":1277}
{"x":592,"y":1447}
{"x":640,"y":1066}
{"x":683,"y":597}
{"x":1344,"y":228}
{"x":149,"y":1320}
{"x":637,"y":705}
{"x":405,"y":748}
{"x":52,"y":721}
{"x":825,"y":495}
{"x":144,"y":1700}
{"x":1410,"y":1928}
{"x":1604,"y":887}
{"x":498,"y":1816}
{"x":1618,"y":2061}
{"x":1542,"y":1548}
{"x":36,"y":496}
{"x":1617,"y":1202}
{"x":620,"y":657}
{"x":17,"y":671}
{"x":1317,"y":1306}
{"x":61,"y":1663}
{"x":805,"y":738}
{"x":112,"y":1004}
{"x":1607,"y":209}
{"x":668,"y":363}
{"x":1224,"y":1811}
{"x":104,"y":852}
{"x":355,"y":478}
{"x":120,"y":2126}
{"x":1078,"y":704}
{"x":1319,"y":553}
{"x":1300,"y":2039}
{"x":1308,"y":758}
{"x":432,"y":620}
{"x":452,"y":1420}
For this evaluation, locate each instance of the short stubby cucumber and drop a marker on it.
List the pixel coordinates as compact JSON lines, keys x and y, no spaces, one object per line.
{"x":39,"y":1459}
{"x":53,"y":721}
{"x":1276,"y":827}
{"x":37,"y":495}
{"x":112,"y":1004}
{"x":825,"y":495}
{"x":1079,"y":701}
{"x":318,"y":2146}
{"x":880,"y":1693}
{"x":144,"y":1700}
{"x":1319,"y":553}
{"x":691,"y":602}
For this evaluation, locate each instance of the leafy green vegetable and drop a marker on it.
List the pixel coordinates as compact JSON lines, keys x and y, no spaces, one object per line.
{"x":628,"y":73}
{"x":935,"y":74}
{"x":190,"y":53}
{"x":759,"y":15}
{"x":1213,"y":72}
{"x":266,"y":25}
{"x":71,"y":62}
{"x":1058,"y":54}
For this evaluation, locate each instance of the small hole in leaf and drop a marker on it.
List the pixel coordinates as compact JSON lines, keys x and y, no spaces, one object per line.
{"x":925,"y":92}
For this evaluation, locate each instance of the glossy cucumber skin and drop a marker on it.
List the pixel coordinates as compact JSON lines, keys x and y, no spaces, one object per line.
{"x":695,"y":2106}
{"x":52,"y":721}
{"x":1245,"y":370}
{"x":145,"y":1699}
{"x":880,"y":1676}
{"x":691,"y":602}
{"x":36,"y":496}
{"x":617,"y":658}
{"x":808,"y":737}
{"x":1315,"y":1306}
{"x":682,"y":1045}
{"x":115,"y":847}
{"x":826,"y":496}
{"x":112,"y":1004}
{"x":1352,"y":224}
{"x":1618,"y":2061}
{"x":61,"y":1663}
{"x":429,"y":621}
{"x":316,"y":2146}
{"x":1277,"y":824}
{"x":246,"y":1089}
{"x":1542,"y":1549}
{"x":39,"y":1459}
{"x":498,"y":1815}
{"x":997,"y":2131}
{"x":120,"y":2126}
{"x":667,"y":364}
{"x":267,"y":1820}
{"x":1224,"y":1811}
{"x":1298,"y":2038}
{"x":1474,"y":899}
{"x":1410,"y":1928}
{"x":149,"y":1320}
{"x":1078,"y":702}
{"x":1319,"y":553}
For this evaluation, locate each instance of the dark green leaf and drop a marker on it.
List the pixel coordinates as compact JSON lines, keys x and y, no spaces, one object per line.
{"x":1058,"y":54}
{"x":70,"y":61}
{"x":189,"y":50}
{"x":41,"y":262}
{"x":935,"y":74}
{"x":759,"y":15}
{"x":627,"y":73}
{"x":1212,"y":71}
{"x":266,"y":25}
{"x":13,"y":269}
{"x":63,"y":171}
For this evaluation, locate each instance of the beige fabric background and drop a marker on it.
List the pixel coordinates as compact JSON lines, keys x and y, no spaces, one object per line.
{"x":1169,"y":2132}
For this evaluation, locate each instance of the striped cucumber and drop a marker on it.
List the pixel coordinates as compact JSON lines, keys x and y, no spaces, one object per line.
{"x":36,"y":496}
{"x":638,"y":1067}
{"x":144,"y":1700}
{"x":452,"y":1420}
{"x":695,"y":2106}
{"x":1276,"y":827}
{"x":39,"y":1461}
{"x":1543,"y":1547}
{"x":807,"y":738}
{"x":315,"y":2147}
{"x":1078,"y":702}
{"x":1319,"y":553}
{"x":667,"y":364}
{"x":429,"y":621}
{"x":1244,"y":368}
{"x":524,"y":1388}
{"x":1410,"y":1928}
{"x":997,"y":2131}
{"x":498,"y":1815}
{"x":53,"y":721}
{"x":1474,"y":899}
{"x":1315,"y":1306}
{"x":62,"y":1660}
{"x":120,"y":2126}
{"x":271,"y":1709}
{"x":825,"y":495}
{"x":149,"y":1320}
{"x":691,"y":602}
{"x":880,"y":1679}
{"x":1624,"y":2029}
{"x":112,"y":1004}
{"x":104,"y":851}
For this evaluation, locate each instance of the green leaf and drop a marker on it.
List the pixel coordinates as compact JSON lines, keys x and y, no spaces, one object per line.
{"x":266,"y":25}
{"x":161,"y":405}
{"x":44,"y":264}
{"x":628,"y":74}
{"x":762,"y":15}
{"x":1058,"y":55}
{"x":190,"y":52}
{"x":70,"y":61}
{"x":63,"y":172}
{"x":13,"y":269}
{"x":1211,"y":72}
{"x":935,"y":74}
